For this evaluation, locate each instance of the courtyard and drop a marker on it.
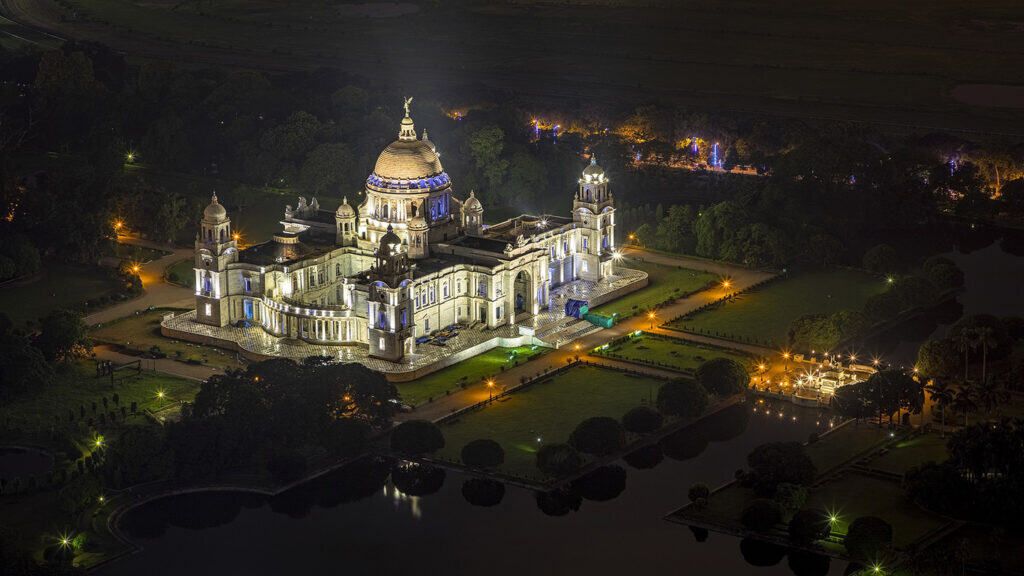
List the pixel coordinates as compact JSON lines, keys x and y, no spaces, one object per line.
{"x":546,"y":412}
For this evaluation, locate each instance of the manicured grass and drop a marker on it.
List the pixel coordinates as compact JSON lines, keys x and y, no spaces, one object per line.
{"x":468,"y":371}
{"x":76,"y":385}
{"x":841,"y":445}
{"x":855,"y":494}
{"x":549,"y":411}
{"x":58,"y":286}
{"x":764,"y":315}
{"x":183,"y":271}
{"x":665,"y":282}
{"x":906,"y":454}
{"x":141,"y":332}
{"x":671,"y":352}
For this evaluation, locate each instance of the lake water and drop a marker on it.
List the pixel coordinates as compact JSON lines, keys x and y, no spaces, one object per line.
{"x":23,"y":462}
{"x":320,"y":529}
{"x":993,"y":266}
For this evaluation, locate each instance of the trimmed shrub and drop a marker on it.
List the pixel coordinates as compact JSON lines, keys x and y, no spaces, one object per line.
{"x":642,"y":420}
{"x":416,"y":437}
{"x":684,"y":398}
{"x":723,"y":376}
{"x":482,"y":453}
{"x":558,"y":459}
{"x":599,"y":435}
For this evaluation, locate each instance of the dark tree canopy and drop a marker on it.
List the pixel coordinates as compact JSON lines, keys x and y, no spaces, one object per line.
{"x":867,"y":536}
{"x":599,"y":435}
{"x":558,"y":459}
{"x":415,"y":437}
{"x":642,"y":420}
{"x":482,"y":453}
{"x":882,"y":259}
{"x":63,"y":336}
{"x":777,"y":462}
{"x":761,"y":514}
{"x":806,"y":526}
{"x":685,"y":398}
{"x":723,"y":376}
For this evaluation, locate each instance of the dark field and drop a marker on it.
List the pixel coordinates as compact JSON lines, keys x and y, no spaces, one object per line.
{"x":893,"y":63}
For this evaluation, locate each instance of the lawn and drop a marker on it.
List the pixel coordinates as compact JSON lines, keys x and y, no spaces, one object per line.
{"x":764,"y":315}
{"x":854,"y":495}
{"x":665,"y":282}
{"x":905,"y":454}
{"x":141,"y":332}
{"x":57,"y":286}
{"x":669,"y":352}
{"x":547,"y":412}
{"x":841,"y":445}
{"x":468,"y":371}
{"x":76,"y":385}
{"x":183,"y":272}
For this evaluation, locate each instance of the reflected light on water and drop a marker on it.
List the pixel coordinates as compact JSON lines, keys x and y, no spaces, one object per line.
{"x":399,"y":497}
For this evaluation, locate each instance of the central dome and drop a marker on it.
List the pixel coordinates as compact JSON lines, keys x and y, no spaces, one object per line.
{"x":408,"y":164}
{"x":408,"y":160}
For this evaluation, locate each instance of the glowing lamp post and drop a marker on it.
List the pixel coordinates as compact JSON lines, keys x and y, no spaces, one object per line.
{"x":490,"y":389}
{"x":651,"y":316}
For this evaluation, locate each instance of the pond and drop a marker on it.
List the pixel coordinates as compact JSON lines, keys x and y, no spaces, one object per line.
{"x":993,"y":265}
{"x":357,"y":521}
{"x":24,"y":462}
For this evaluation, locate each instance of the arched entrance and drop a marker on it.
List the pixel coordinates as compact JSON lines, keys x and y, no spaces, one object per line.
{"x":522,"y":291}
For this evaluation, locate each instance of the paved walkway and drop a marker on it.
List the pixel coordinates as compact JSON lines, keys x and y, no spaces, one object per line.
{"x":740,"y":278}
{"x":156,"y":291}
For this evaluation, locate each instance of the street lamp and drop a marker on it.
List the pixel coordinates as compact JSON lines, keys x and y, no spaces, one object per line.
{"x":651,"y":316}
{"x":490,"y":389}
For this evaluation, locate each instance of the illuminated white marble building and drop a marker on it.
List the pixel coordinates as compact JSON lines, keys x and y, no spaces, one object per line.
{"x":412,"y":259}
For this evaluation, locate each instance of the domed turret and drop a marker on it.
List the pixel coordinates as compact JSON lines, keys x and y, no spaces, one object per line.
{"x":390,"y":243}
{"x":408,"y":164}
{"x":593,"y":172}
{"x":345,"y":221}
{"x":472,"y":214}
{"x":345,"y":210}
{"x":214,"y":212}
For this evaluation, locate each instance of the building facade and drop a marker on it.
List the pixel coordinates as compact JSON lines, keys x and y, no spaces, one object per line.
{"x":410,"y":260}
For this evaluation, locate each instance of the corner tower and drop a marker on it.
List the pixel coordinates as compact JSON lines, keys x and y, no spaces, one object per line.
{"x":594,"y":211}
{"x":215,"y":248}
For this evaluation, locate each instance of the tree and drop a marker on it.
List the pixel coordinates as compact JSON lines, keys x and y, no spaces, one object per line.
{"x":327,"y":169}
{"x":774,"y":463}
{"x":937,"y":359}
{"x":882,"y":259}
{"x":806,"y":526}
{"x":943,"y":273}
{"x":484,"y":146}
{"x":286,"y":465}
{"x":867,"y":536}
{"x":171,"y":215}
{"x":760,"y":514}
{"x":697,"y":491}
{"x":599,"y":435}
{"x":813,"y":332}
{"x":642,"y":420}
{"x":22,"y":365}
{"x":63,"y":336}
{"x":683,"y":397}
{"x":942,"y":396}
{"x":790,"y":497}
{"x":989,"y":394}
{"x":482,"y":453}
{"x":558,"y":460}
{"x":723,"y":376}
{"x":416,"y":437}
{"x":964,"y":402}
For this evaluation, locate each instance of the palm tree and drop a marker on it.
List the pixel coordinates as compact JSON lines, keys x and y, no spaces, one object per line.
{"x":990,"y":394}
{"x":966,"y":341}
{"x":987,"y":338}
{"x":964,"y":401}
{"x":942,"y":395}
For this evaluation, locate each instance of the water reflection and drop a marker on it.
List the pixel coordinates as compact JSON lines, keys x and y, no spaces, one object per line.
{"x":808,"y":564}
{"x":604,"y":483}
{"x":758,"y":553}
{"x":558,"y":502}
{"x":645,"y":457}
{"x":417,"y":479}
{"x":485,"y":493}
